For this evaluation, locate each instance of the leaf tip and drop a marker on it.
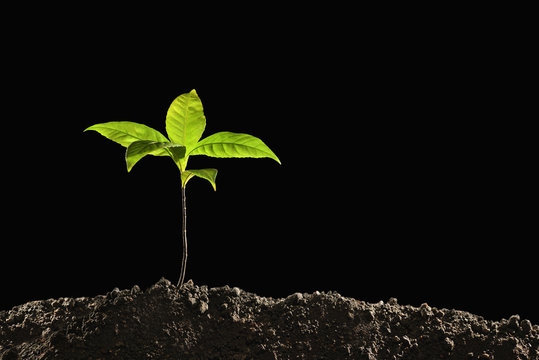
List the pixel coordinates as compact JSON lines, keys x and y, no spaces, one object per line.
{"x":128,"y":165}
{"x":274,"y":157}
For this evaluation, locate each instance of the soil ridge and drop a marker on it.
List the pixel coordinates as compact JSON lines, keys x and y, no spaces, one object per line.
{"x":197,"y":322}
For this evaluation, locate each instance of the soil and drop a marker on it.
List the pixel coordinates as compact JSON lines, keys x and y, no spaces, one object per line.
{"x":197,"y":322}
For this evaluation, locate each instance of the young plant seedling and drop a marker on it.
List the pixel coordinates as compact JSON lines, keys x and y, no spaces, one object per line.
{"x":185,"y":123}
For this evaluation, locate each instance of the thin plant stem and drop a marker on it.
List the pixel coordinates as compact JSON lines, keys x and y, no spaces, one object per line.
{"x":184,"y":238}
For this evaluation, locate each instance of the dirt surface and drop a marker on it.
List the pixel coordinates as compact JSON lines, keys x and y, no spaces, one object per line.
{"x":228,"y":323}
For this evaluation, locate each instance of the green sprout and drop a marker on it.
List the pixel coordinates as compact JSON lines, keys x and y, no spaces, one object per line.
{"x":185,"y":123}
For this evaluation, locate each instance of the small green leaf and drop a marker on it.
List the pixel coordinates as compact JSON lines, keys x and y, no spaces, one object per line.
{"x":177,"y":153}
{"x":127,"y":132}
{"x":232,"y":145}
{"x":208,"y":174}
{"x":138,"y":149}
{"x":185,"y":121}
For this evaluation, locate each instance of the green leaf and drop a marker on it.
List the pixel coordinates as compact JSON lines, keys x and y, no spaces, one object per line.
{"x":127,"y":132}
{"x":177,"y":153}
{"x":185,"y":121}
{"x":232,"y":145}
{"x":138,"y":149}
{"x":208,"y":174}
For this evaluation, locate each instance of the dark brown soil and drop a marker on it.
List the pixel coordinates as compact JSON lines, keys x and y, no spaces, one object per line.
{"x":228,"y":323}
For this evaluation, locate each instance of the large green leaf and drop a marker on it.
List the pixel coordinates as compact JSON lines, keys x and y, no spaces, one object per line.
{"x":208,"y":174}
{"x":185,"y":120}
{"x":138,"y":149}
{"x":232,"y":145}
{"x":127,"y":132}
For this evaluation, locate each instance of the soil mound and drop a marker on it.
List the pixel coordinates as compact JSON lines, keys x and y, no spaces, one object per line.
{"x":197,"y":322}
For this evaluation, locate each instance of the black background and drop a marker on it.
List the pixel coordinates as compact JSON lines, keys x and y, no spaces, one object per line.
{"x":406,"y":159}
